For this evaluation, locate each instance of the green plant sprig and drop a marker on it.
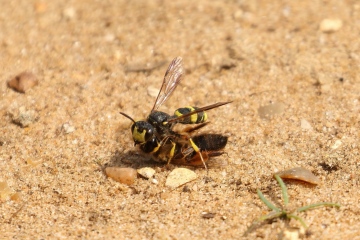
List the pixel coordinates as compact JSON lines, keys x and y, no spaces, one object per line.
{"x":283,"y":212}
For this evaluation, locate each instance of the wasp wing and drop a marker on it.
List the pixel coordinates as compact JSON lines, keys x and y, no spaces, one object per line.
{"x":202,"y":109}
{"x":172,"y":78}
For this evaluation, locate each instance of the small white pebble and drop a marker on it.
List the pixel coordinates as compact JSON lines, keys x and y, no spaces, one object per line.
{"x":305,"y":125}
{"x":69,"y":12}
{"x":337,"y":144}
{"x":329,"y":25}
{"x":290,"y":235}
{"x":68,"y":128}
{"x":152,"y":91}
{"x":109,"y":37}
{"x":146,"y":172}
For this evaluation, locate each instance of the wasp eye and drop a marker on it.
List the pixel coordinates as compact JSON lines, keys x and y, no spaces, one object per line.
{"x":142,"y":132}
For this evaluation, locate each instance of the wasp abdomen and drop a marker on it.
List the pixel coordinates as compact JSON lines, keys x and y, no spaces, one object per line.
{"x":199,"y":117}
{"x":210,"y":142}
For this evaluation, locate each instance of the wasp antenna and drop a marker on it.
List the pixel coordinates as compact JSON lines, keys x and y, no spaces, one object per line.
{"x":127,"y":116}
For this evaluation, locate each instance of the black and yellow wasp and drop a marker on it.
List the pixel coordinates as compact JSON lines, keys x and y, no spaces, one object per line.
{"x":156,"y":134}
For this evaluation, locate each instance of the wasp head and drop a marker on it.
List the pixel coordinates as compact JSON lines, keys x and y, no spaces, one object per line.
{"x":142,"y":132}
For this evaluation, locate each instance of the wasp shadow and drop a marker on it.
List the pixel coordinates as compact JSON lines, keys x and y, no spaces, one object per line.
{"x":133,"y":159}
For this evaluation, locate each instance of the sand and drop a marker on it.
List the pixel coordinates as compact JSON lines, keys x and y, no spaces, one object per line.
{"x":94,"y":59}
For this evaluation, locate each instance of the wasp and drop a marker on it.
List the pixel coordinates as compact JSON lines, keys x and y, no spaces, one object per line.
{"x":156,"y":134}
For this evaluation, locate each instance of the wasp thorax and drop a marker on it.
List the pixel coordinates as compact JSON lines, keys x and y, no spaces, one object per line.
{"x":158,"y":118}
{"x":142,"y":132}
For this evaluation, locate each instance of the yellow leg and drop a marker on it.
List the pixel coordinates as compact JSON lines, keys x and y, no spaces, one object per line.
{"x":197,"y":149}
{"x":172,"y":152}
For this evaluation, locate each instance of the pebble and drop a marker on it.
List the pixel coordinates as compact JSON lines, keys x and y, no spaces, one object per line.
{"x":122,"y":175}
{"x":154,"y":181}
{"x":299,"y":173}
{"x":305,"y":125}
{"x":68,"y":128}
{"x":24,"y":117}
{"x":337,"y":144}
{"x":330,"y":25}
{"x":152,"y":91}
{"x":69,"y":13}
{"x":290,"y":235}
{"x":271,"y":110}
{"x":180,"y":176}
{"x":146,"y":172}
{"x":208,"y":215}
{"x":23,"y":82}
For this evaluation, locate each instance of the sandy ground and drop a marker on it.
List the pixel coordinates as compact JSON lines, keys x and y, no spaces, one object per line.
{"x":94,"y":59}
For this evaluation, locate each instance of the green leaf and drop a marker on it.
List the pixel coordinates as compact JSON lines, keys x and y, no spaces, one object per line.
{"x":267,"y":203}
{"x":283,"y":189}
{"x":322,"y":204}
{"x":297,"y":218}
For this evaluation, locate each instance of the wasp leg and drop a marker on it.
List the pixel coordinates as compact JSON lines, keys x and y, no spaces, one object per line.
{"x":171,"y":153}
{"x":197,"y":149}
{"x":162,"y":142}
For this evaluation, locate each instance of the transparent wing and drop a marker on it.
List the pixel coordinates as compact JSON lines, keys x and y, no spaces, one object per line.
{"x":172,"y":78}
